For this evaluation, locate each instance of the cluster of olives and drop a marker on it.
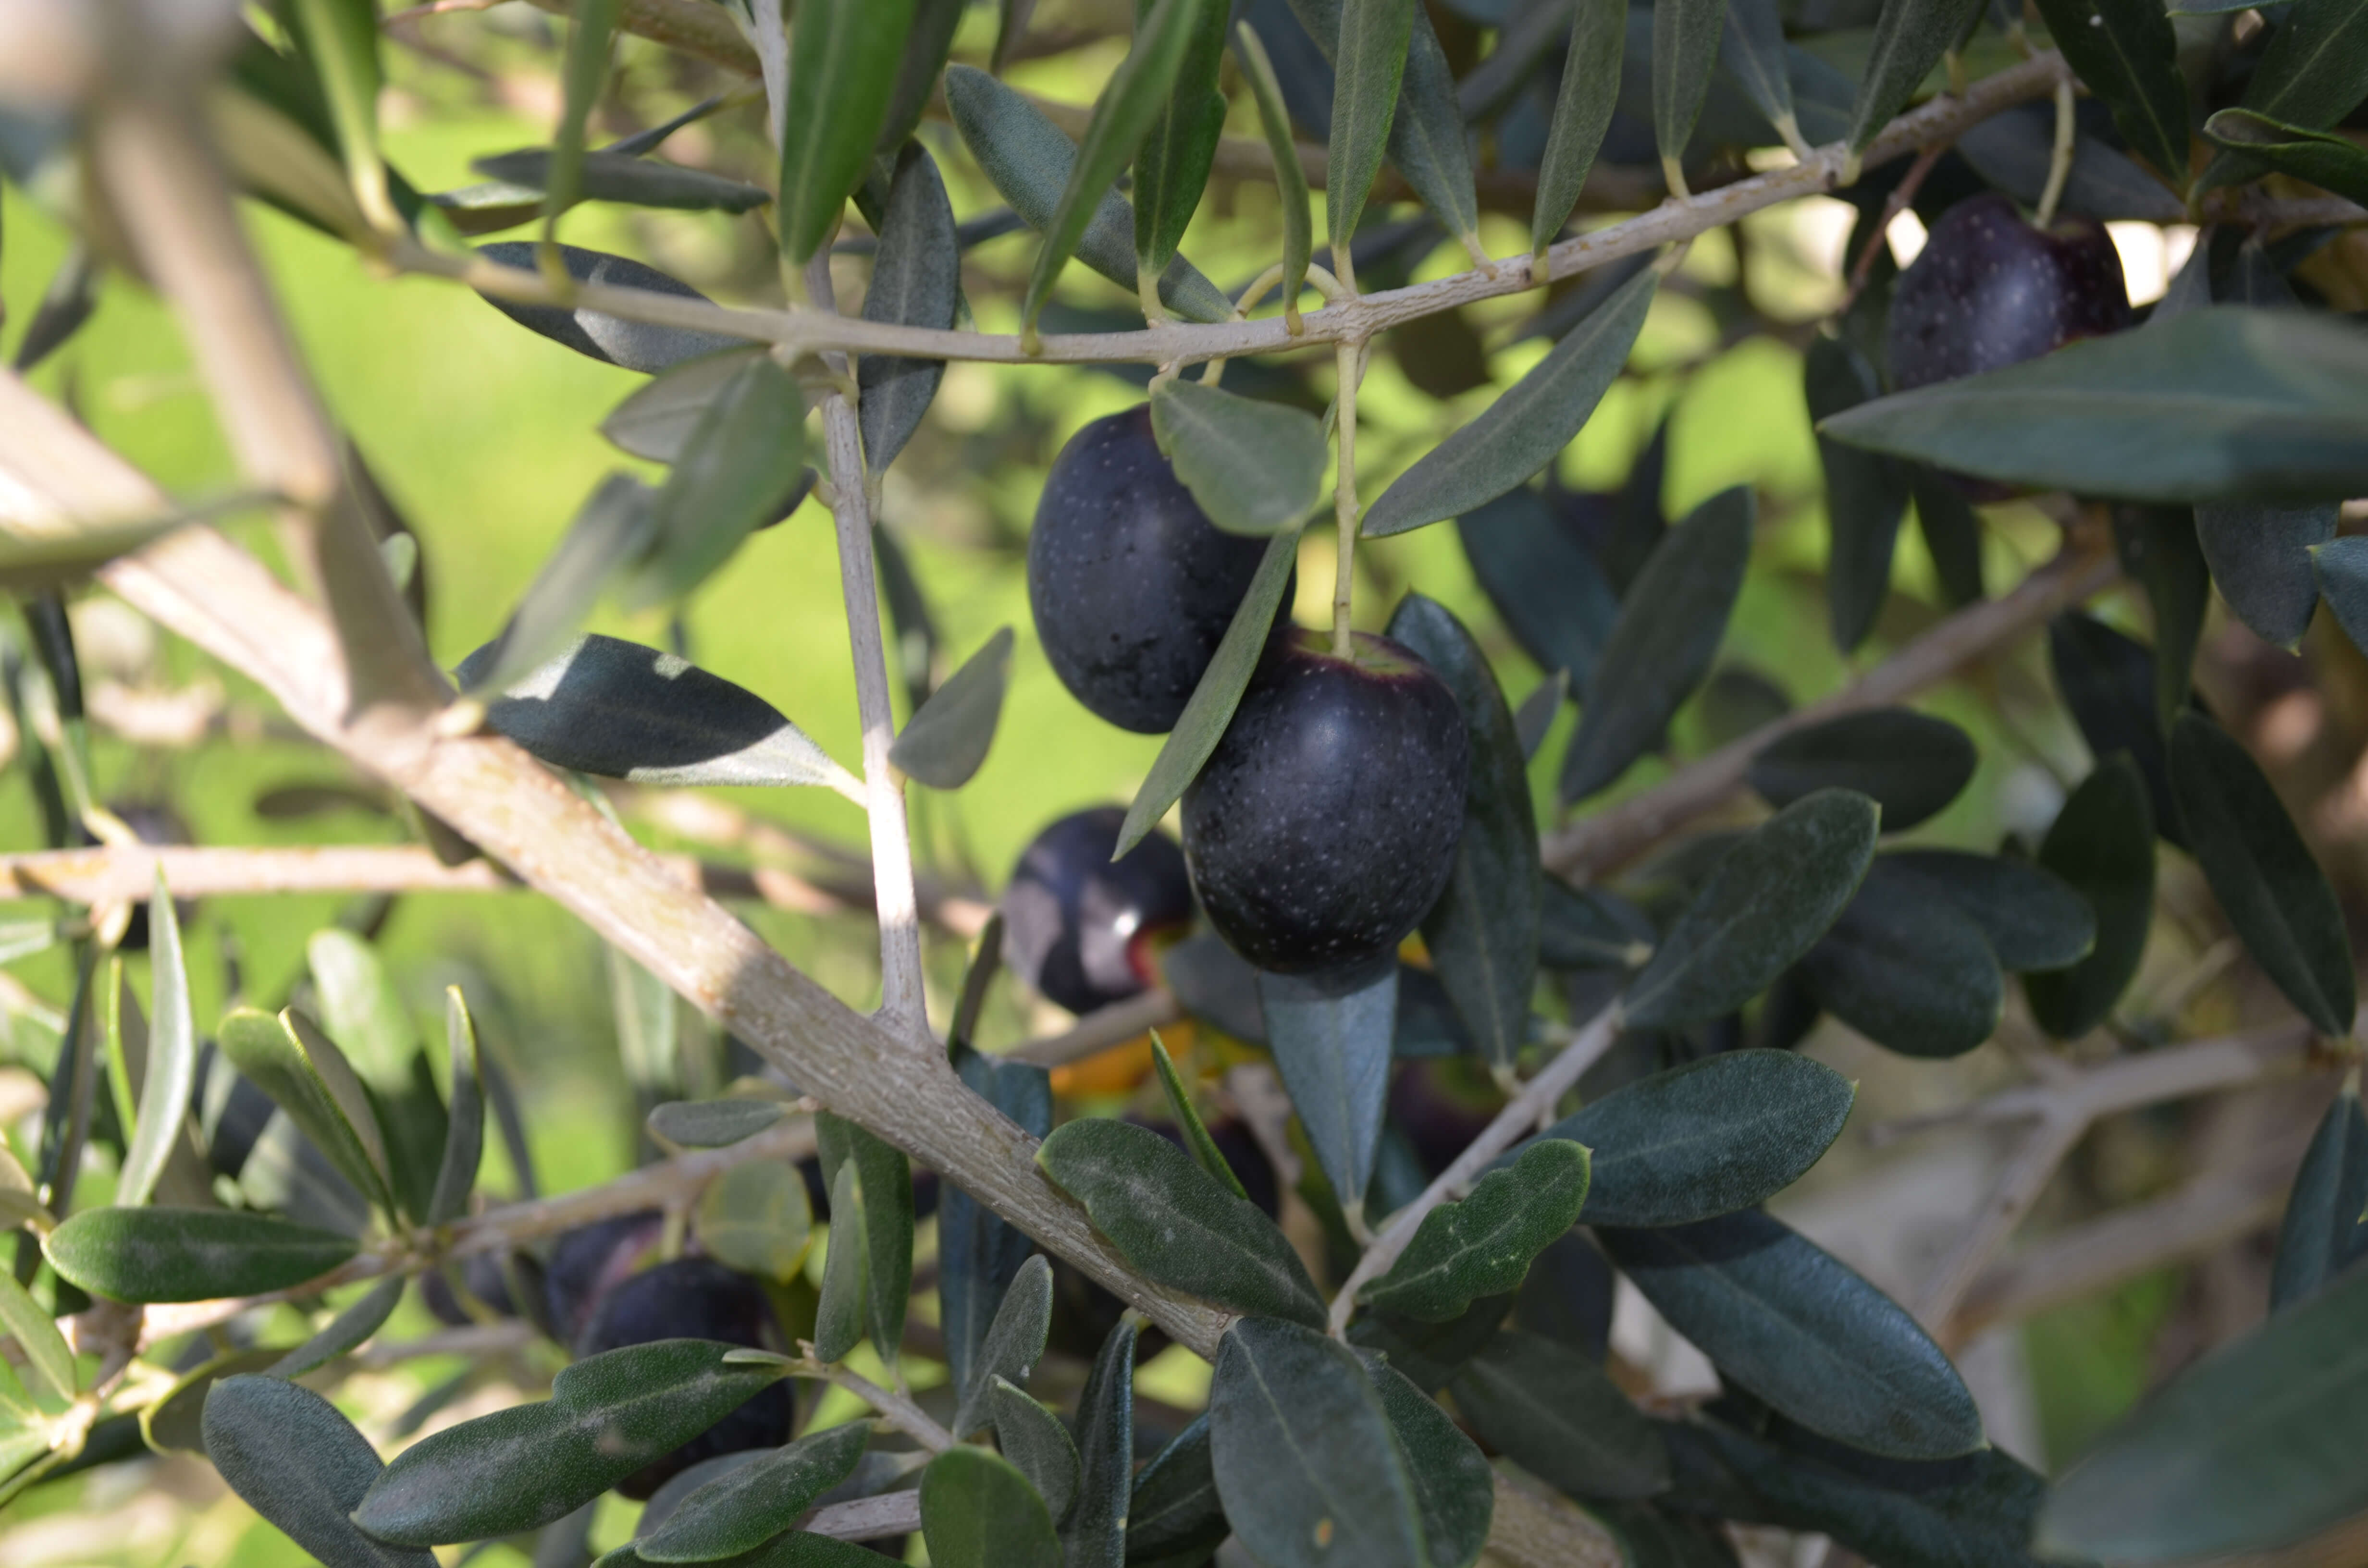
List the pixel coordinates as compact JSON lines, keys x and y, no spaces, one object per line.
{"x":1324,"y":826}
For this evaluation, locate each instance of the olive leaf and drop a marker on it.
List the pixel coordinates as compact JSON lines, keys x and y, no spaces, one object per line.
{"x":2260,"y":560}
{"x":1255,"y":467}
{"x":656,"y":421}
{"x":606,"y":1416}
{"x":1561,"y":1417}
{"x":2101,"y":845}
{"x":713,"y":1124}
{"x":1909,"y":971}
{"x":1307,"y":1463}
{"x":295,"y":1460}
{"x":1203,"y":721}
{"x":2321,"y":1234}
{"x":1030,"y":161}
{"x":2220,"y":404}
{"x":189,"y":1255}
{"x":1369,"y":44}
{"x":2209,"y":1467}
{"x":1542,"y":579}
{"x":1188,"y":1119}
{"x":2032,"y":918}
{"x":1660,"y":648}
{"x":980,"y":1256}
{"x":2126,"y":52}
{"x":1706,"y":1138}
{"x":613,"y":707}
{"x":746,"y":452}
{"x":636,"y":346}
{"x":2309,"y":77}
{"x":610,"y":176}
{"x":2325,"y":161}
{"x":756,"y":1218}
{"x":612,"y":531}
{"x":172,"y":1069}
{"x":977,"y":1511}
{"x":1685,"y":52}
{"x":365,"y":1317}
{"x":1173,"y":1513}
{"x":1482,"y":1245}
{"x":1754,"y":55}
{"x":2158,"y":547}
{"x":2342,"y":568}
{"x":2271,"y":890}
{"x":1909,"y":764}
{"x":845,"y":59}
{"x":1171,"y":166}
{"x":840,"y":1313}
{"x":32,"y":565}
{"x":1483,"y":932}
{"x":1455,"y":1488}
{"x":887,"y":1192}
{"x":46,"y":1356}
{"x":1866,"y":495}
{"x":1010,"y":1346}
{"x":306,"y":1075}
{"x":1035,"y":1441}
{"x":2113,"y":687}
{"x":1427,"y":137}
{"x":1763,"y":905}
{"x":1290,"y":179}
{"x":1583,"y":101}
{"x":1331,"y":1037}
{"x":740,"y":1511}
{"x":464,"y":1136}
{"x":1176,"y":1223}
{"x":1910,"y":37}
{"x":1523,"y":430}
{"x":944,"y":744}
{"x":916,"y":281}
{"x":1094,"y":1536}
{"x":1784,"y":1319}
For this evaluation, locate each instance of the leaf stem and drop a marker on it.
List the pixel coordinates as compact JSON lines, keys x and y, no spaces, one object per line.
{"x":2059,"y":158}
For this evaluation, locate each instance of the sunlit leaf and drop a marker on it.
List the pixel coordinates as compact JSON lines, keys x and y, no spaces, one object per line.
{"x":293,"y":1458}
{"x":845,"y":57}
{"x":189,"y":1255}
{"x":945,"y":743}
{"x":1255,"y":466}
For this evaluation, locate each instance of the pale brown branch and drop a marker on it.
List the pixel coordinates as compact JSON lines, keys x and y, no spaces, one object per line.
{"x":1531,"y":1531}
{"x":894,"y":1408}
{"x":2028,"y":1172}
{"x":1611,"y":837}
{"x":1100,"y":1029}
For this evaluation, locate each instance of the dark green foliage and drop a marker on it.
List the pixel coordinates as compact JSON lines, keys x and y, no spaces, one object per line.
{"x":296,"y":1460}
{"x":1906,"y":970}
{"x":2031,"y":918}
{"x":1173,"y":1511}
{"x":2126,"y":54}
{"x":2321,"y":1235}
{"x":979,"y":1511}
{"x":189,"y":1255}
{"x":1481,"y":1245}
{"x":2112,"y":686}
{"x":1332,"y":1040}
{"x":2102,"y":846}
{"x":742,"y":1509}
{"x":1866,"y":495}
{"x":1454,"y":1487}
{"x":1911,"y":765}
{"x":1558,"y":1416}
{"x":1094,"y":1534}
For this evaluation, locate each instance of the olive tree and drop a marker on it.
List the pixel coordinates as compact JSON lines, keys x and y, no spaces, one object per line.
{"x":1405,"y":1337}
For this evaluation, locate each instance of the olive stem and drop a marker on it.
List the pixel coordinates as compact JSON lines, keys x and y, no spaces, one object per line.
{"x":1516,"y":1121}
{"x":894,"y":1408}
{"x":2059,"y":160}
{"x":1348,"y":357}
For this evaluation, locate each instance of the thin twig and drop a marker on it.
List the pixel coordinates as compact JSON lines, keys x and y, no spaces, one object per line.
{"x":1893,"y":206}
{"x":2026,"y":1175}
{"x":1104,"y":1027}
{"x":1516,"y":1121}
{"x":895,"y":1408}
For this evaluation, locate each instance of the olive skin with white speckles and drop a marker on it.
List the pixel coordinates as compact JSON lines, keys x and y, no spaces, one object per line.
{"x":1324,"y":827}
{"x":1990,"y":291}
{"x":1131,"y":584}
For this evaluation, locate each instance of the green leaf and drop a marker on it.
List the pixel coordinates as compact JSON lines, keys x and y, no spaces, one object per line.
{"x":1188,"y":1119}
{"x":916,"y":281}
{"x":1282,"y":147}
{"x":1171,"y":167}
{"x":1953,"y":535}
{"x":2321,"y":1234}
{"x":45,"y":1352}
{"x":1028,"y":162}
{"x":2031,"y":918}
{"x":1370,"y":40}
{"x":1134,"y":97}
{"x":1308,"y":1468}
{"x":1483,"y":932}
{"x":2126,"y":52}
{"x":1558,"y":1416}
{"x":1455,"y":1490}
{"x":2101,"y":845}
{"x":1976,"y":1512}
{"x":944,"y":744}
{"x":1910,"y":37}
{"x":1866,"y":495}
{"x":1428,"y":141}
{"x":610,"y":533}
{"x":1911,"y":765}
{"x":2260,"y":558}
{"x":1173,"y":1513}
{"x":464,"y":1138}
{"x":845,"y":59}
{"x":1660,"y":648}
{"x":1095,"y":1534}
{"x":713,"y":1124}
{"x":2112,"y":685}
{"x":1784,"y":1319}
{"x":2328,"y":161}
{"x":1527,"y":427}
{"x":1430,"y":1354}
{"x":2261,"y":872}
{"x":189,"y":1255}
{"x":1482,"y":1245}
{"x":340,"y":39}
{"x":656,"y":421}
{"x":2221,"y":403}
{"x":756,"y":1218}
{"x":1764,"y":904}
{"x":979,"y":1511}
{"x":740,"y":1511}
{"x":307,"y":1076}
{"x":926,"y":46}
{"x":622,"y":710}
{"x":1544,"y":581}
{"x":296,"y":1460}
{"x":1211,"y":710}
{"x":2342,"y":569}
{"x":1012,"y":1343}
{"x":1176,"y":1223}
{"x":1255,"y":467}
{"x":1584,"y":100}
{"x":360,"y":1008}
{"x":172,"y":1057}
{"x":607,"y":1415}
{"x":1756,"y":58}
{"x":1910,"y":973}
{"x":887,"y":1195}
{"x":745,"y":454}
{"x":176,"y":1422}
{"x":1331,"y":1039}
{"x":981,"y":1255}
{"x":363,"y":1318}
{"x":1035,"y":1441}
{"x":1685,"y":52}
{"x":637,"y":345}
{"x":621,"y":177}
{"x":2158,"y":547}
{"x":582,"y":75}
{"x":2311,"y":73}
{"x":1707,"y":1138}
{"x":2253,"y":1448}
{"x":846,"y":1286}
